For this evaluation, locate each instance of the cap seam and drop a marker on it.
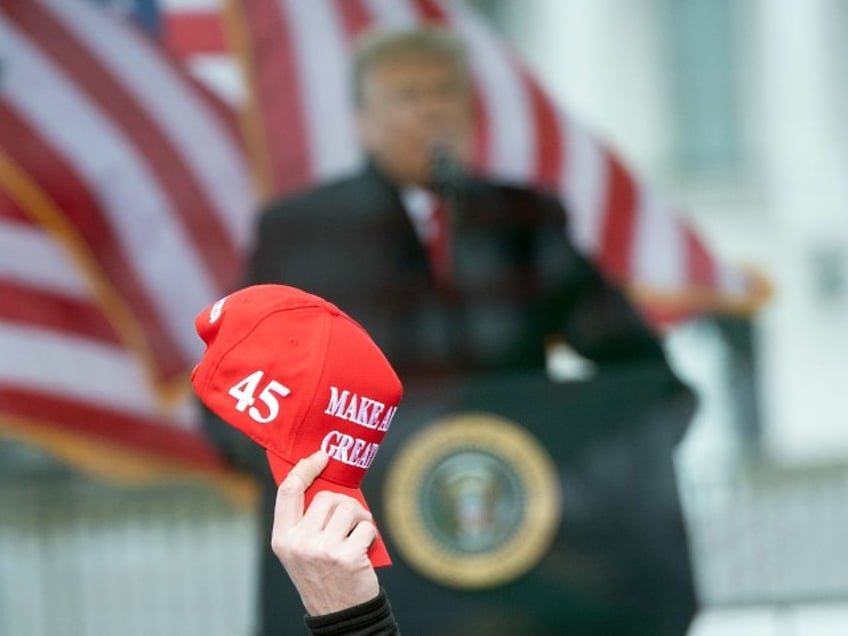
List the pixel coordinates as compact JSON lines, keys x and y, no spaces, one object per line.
{"x":324,"y":356}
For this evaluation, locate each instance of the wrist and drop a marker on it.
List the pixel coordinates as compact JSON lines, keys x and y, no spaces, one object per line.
{"x":374,"y":614}
{"x":330,"y":599}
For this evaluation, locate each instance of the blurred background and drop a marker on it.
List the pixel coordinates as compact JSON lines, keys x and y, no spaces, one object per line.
{"x":735,"y":111}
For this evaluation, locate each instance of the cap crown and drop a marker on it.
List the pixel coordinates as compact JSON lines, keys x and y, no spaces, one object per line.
{"x":296,"y":374}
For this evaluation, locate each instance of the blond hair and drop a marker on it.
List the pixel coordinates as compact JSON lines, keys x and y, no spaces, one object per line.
{"x":376,"y":46}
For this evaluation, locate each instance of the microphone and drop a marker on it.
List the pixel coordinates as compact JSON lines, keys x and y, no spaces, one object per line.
{"x":446,"y":173}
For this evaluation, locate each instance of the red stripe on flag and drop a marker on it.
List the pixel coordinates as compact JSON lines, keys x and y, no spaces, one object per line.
{"x":618,"y":220}
{"x":54,"y":312}
{"x":431,"y":11}
{"x":480,"y":135}
{"x":190,"y":201}
{"x":195,"y":32}
{"x":700,"y":266}
{"x":54,"y":175}
{"x":280,"y":108}
{"x":136,"y":432}
{"x":227,"y":116}
{"x":548,"y":137}
{"x":355,"y":17}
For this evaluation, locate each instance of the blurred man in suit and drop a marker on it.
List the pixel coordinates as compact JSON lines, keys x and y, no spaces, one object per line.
{"x":452,"y":274}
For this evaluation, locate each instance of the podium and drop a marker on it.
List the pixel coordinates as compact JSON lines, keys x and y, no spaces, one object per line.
{"x":513,"y":504}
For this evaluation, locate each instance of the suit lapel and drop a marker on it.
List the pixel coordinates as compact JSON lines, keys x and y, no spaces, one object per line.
{"x":410,"y":249}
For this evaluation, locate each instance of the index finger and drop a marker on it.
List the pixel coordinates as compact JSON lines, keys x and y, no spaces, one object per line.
{"x":288,"y":508}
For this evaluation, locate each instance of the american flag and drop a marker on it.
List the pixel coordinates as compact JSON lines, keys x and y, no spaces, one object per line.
{"x":292,"y":81}
{"x":296,"y":59}
{"x":126,"y":204}
{"x":125,"y":207}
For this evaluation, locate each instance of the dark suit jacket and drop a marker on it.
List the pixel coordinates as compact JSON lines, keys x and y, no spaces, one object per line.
{"x":518,"y":280}
{"x":518,"y":283}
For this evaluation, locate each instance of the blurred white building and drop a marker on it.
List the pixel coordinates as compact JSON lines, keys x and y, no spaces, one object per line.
{"x":738,"y":111}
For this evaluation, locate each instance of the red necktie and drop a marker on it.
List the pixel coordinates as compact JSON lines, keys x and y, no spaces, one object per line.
{"x":440,"y":245}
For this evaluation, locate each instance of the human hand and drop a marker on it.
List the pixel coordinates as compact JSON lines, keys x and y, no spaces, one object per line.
{"x":324,"y":549}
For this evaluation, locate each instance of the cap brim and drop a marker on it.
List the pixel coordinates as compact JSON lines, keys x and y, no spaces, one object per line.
{"x":377,"y":553}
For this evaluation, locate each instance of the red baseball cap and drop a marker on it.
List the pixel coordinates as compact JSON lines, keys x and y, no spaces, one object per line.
{"x":296,"y":374}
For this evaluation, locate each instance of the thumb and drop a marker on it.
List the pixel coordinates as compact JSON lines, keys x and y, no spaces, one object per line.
{"x":288,"y":509}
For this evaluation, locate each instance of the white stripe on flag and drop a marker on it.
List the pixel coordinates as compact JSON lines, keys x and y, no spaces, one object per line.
{"x":391,"y":14}
{"x":30,"y":256}
{"x":201,"y":142}
{"x":39,"y":359}
{"x":510,"y":132}
{"x":221,"y":73}
{"x":140,"y":213}
{"x":190,"y":5}
{"x":664,"y":268}
{"x":323,"y":68}
{"x":730,"y":280}
{"x":583,"y":186}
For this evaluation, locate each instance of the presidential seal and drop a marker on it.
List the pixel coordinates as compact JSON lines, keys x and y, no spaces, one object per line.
{"x":472,"y":501}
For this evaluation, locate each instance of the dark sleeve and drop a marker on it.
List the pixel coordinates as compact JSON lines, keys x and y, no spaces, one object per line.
{"x":595,"y":316}
{"x":236,"y":448}
{"x":372,"y":618}
{"x":602,"y":324}
{"x":264,"y":263}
